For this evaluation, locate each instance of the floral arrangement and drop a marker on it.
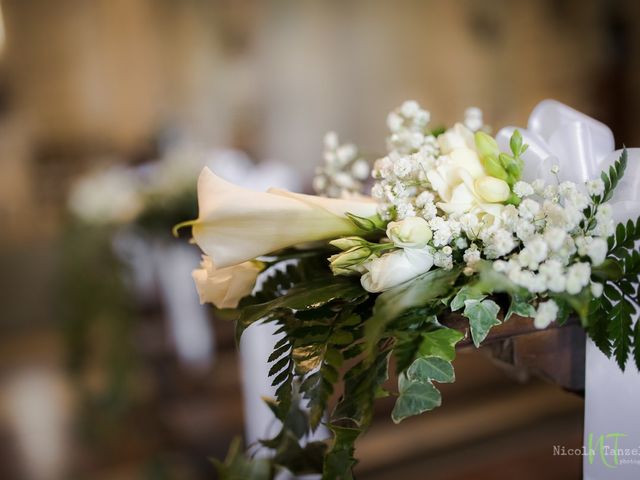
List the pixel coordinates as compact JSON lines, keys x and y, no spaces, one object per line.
{"x":452,"y":224}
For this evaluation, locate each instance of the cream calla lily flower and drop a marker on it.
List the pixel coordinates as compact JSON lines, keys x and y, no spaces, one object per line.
{"x":236,"y":224}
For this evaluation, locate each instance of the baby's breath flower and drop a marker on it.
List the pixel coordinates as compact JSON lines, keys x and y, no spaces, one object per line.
{"x":522,"y":189}
{"x":473,"y":119}
{"x":528,"y":209}
{"x":546,"y":313}
{"x":555,"y":238}
{"x":595,"y":188}
{"x":461,"y":243}
{"x":578,"y":277}
{"x":555,"y":276}
{"x":443,"y":259}
{"x":538,"y":186}
{"x":425,"y":198}
{"x":596,"y":289}
{"x":343,"y":171}
{"x":597,"y":250}
{"x":471,"y":255}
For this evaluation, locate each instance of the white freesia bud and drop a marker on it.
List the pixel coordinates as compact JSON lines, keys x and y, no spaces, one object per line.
{"x":396,"y":267}
{"x":412,"y":232}
{"x":347,"y":243}
{"x":349,"y":261}
{"x":225,"y":287}
{"x":492,"y":189}
{"x":236,"y":224}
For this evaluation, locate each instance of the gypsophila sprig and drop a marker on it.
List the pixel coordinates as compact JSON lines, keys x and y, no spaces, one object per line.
{"x":452,"y":227}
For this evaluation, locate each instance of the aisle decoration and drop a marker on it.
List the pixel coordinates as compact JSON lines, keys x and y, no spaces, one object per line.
{"x":358,"y":284}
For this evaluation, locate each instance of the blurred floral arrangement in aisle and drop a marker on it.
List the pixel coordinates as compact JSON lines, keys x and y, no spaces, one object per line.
{"x":117,"y":259}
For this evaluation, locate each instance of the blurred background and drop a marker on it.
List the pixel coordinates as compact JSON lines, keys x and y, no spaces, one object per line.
{"x":109,"y":369}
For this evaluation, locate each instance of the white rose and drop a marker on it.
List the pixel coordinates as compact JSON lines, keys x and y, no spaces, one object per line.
{"x":225,"y":287}
{"x":412,"y":232}
{"x":396,"y":267}
{"x":236,"y":224}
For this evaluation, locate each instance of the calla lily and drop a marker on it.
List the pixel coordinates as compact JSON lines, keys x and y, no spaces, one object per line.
{"x":236,"y":224}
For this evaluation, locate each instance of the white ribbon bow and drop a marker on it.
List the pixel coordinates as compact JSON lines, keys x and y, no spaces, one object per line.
{"x":581,"y":146}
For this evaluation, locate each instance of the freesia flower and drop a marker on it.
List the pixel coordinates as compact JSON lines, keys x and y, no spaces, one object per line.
{"x":225,"y":287}
{"x":396,"y":267}
{"x":462,"y":181}
{"x":237,"y":224}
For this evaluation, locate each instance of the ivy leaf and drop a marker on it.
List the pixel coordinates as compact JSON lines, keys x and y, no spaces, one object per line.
{"x":415,"y":398}
{"x":482,"y":315}
{"x":418,"y":292}
{"x":431,"y":368}
{"x":416,"y":392}
{"x":339,"y":460}
{"x":468,"y":292}
{"x":440,"y":343}
{"x":521,"y":307}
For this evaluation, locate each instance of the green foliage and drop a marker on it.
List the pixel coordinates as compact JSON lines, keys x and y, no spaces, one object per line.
{"x":440,"y":343}
{"x":96,"y":314}
{"x":482,"y":315}
{"x":501,"y":165}
{"x":416,"y":391}
{"x":610,"y":178}
{"x":620,"y":330}
{"x":415,"y":397}
{"x":467,"y":292}
{"x":367,"y":225}
{"x":303,"y":296}
{"x":237,"y":466}
{"x":609,"y":320}
{"x":163,"y":212}
{"x":362,"y":385}
{"x":519,"y":306}
{"x":613,"y":176}
{"x":418,"y":292}
{"x":339,"y":460}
